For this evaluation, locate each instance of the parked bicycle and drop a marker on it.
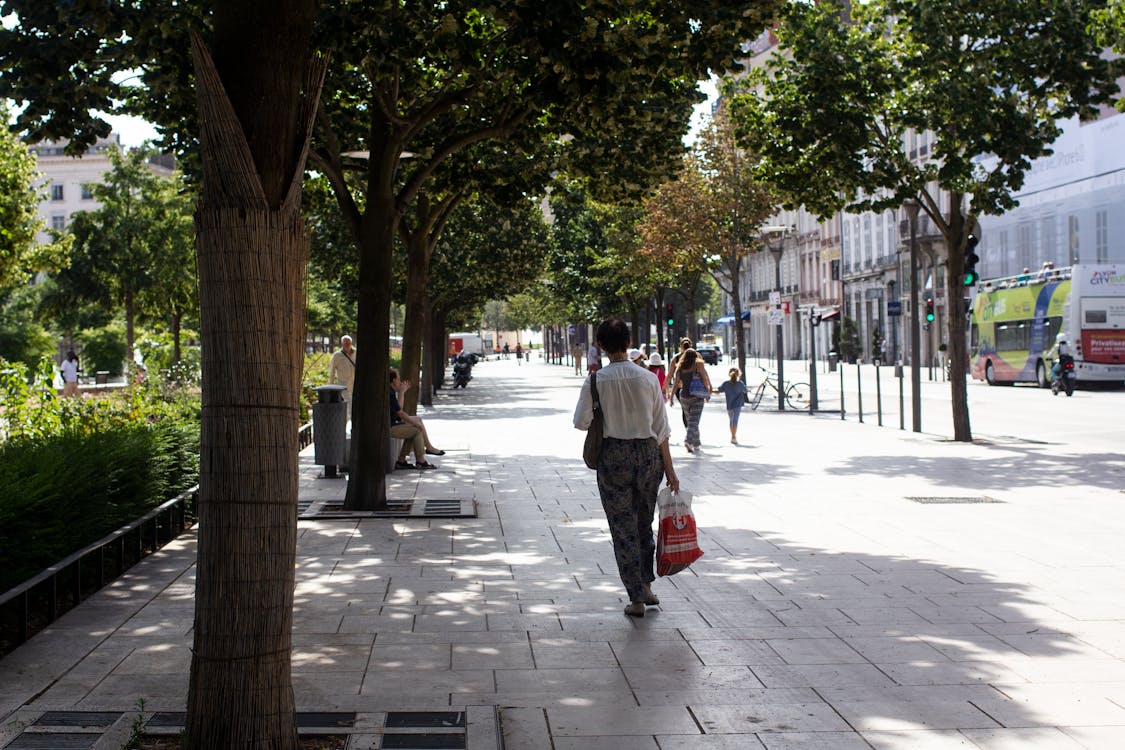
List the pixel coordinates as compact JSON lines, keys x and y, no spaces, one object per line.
{"x":796,"y":394}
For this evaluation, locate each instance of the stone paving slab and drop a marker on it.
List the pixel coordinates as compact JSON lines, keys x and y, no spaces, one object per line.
{"x":829,"y":610}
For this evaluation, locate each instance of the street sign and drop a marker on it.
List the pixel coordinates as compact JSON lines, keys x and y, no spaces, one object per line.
{"x":775,"y":299}
{"x":776,"y":316}
{"x":894,"y":307}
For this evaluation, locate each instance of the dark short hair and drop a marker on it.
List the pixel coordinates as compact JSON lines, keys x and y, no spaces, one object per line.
{"x":613,"y":335}
{"x":392,"y":373}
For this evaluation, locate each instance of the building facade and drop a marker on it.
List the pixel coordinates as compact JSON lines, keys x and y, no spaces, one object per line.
{"x":66,"y":180}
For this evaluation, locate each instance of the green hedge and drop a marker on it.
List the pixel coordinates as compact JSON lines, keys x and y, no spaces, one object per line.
{"x":64,"y":492}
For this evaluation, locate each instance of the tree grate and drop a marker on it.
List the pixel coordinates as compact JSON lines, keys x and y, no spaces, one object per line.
{"x":954,"y":500}
{"x":53,"y":741}
{"x":305,"y":720}
{"x":420,"y":508}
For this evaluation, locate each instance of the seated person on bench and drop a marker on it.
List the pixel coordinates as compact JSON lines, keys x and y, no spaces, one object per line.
{"x":409,"y":429}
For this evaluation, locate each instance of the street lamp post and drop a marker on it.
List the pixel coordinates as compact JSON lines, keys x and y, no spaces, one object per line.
{"x":699,"y":329}
{"x":912,"y":208}
{"x":777,"y":249}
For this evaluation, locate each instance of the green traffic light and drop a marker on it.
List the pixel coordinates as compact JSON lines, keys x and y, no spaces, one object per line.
{"x":929,"y":317}
{"x":971,"y":278}
{"x":671,"y":322}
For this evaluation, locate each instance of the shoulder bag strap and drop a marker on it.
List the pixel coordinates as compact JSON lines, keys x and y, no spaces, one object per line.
{"x":594,"y":391}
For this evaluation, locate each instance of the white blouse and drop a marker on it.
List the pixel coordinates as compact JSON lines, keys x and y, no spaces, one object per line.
{"x":631,"y":402}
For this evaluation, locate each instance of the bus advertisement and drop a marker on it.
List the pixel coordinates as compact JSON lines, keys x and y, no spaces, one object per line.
{"x":1015,"y":321}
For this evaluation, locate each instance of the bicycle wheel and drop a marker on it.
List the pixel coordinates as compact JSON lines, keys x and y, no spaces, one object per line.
{"x":757,"y":397}
{"x":797,"y":396}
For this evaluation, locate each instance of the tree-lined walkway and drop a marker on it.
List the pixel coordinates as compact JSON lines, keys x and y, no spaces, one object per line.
{"x":830,"y":609}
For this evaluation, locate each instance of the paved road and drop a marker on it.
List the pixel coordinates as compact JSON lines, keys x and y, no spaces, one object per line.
{"x":830,"y":610}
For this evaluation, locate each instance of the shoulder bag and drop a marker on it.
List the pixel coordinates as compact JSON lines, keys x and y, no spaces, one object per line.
{"x":592,"y":450}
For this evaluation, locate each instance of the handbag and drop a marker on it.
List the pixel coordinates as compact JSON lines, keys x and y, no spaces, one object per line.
{"x":677,"y":545}
{"x":592,"y":450}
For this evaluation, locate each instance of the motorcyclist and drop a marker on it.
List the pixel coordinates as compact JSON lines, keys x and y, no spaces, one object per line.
{"x":1057,"y":353}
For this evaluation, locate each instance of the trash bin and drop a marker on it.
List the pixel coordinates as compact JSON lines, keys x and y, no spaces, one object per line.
{"x":833,"y":358}
{"x":330,"y":427}
{"x":101,"y":377}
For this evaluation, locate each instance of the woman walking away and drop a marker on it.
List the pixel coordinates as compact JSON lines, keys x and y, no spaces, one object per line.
{"x":694,"y":390}
{"x":634,"y":455}
{"x":735,"y":392}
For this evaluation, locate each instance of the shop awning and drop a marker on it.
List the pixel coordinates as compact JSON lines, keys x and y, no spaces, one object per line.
{"x":729,"y":318}
{"x":830,"y":315}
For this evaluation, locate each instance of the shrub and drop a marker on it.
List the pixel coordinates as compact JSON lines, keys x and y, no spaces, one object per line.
{"x":73,"y":470}
{"x":66,"y":491}
{"x":103,"y":349}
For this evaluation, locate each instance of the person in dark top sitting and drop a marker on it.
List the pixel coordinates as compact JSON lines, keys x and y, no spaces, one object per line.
{"x":409,"y":429}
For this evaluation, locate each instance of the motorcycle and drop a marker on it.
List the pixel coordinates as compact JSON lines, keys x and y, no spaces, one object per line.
{"x":1066,"y":377}
{"x":462,"y":371}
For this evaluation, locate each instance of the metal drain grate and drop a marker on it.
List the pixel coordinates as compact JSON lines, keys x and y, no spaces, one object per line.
{"x":954,"y":500}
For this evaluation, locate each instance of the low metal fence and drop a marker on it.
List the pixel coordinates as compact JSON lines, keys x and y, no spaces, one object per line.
{"x":39,"y":601}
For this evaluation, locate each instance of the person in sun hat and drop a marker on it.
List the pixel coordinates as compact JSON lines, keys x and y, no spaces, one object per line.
{"x":656,"y":367}
{"x":637,"y":357}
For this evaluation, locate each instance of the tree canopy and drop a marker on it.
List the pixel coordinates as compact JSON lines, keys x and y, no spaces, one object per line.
{"x":20,"y":254}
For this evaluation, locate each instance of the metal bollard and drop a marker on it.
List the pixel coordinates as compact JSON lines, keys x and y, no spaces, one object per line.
{"x":901,"y":399}
{"x":878,"y":396}
{"x":859,"y":389}
{"x":842,"y":411}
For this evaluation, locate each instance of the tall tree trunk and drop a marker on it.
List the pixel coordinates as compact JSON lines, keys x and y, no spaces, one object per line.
{"x":955,"y":320}
{"x":440,"y":338}
{"x":371,"y":420}
{"x":413,"y":327}
{"x":736,"y":303}
{"x":426,"y":377}
{"x":257,"y":98}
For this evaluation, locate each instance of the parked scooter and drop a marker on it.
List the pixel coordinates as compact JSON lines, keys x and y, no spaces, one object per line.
{"x":462,"y":370}
{"x":1063,"y":376}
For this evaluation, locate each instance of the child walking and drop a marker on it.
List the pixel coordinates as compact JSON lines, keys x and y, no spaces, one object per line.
{"x":735,"y":392}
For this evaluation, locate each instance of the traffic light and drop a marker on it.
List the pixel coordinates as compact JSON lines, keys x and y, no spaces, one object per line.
{"x":670,"y":314}
{"x":971,"y":260}
{"x":930,"y":310}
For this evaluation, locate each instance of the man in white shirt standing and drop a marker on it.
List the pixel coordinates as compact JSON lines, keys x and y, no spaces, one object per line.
{"x":341,"y":371}
{"x":593,"y":358}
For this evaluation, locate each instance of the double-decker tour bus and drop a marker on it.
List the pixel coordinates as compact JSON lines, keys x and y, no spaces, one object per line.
{"x":1015,"y":321}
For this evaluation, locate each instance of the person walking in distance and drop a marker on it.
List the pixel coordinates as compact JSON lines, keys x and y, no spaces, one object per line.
{"x":694,"y":390}
{"x":593,"y":358}
{"x":69,"y":370}
{"x":341,"y":370}
{"x":735,"y":392}
{"x":633,"y":458}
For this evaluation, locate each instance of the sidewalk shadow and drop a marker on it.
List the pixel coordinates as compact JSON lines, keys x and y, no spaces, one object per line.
{"x":1024,"y":466}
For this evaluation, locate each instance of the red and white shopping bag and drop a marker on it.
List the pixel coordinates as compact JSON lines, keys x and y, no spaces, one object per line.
{"x":676,"y":543}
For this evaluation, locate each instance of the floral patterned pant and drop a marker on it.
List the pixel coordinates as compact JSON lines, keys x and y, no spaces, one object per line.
{"x":629,"y":474}
{"x":693,"y":410}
